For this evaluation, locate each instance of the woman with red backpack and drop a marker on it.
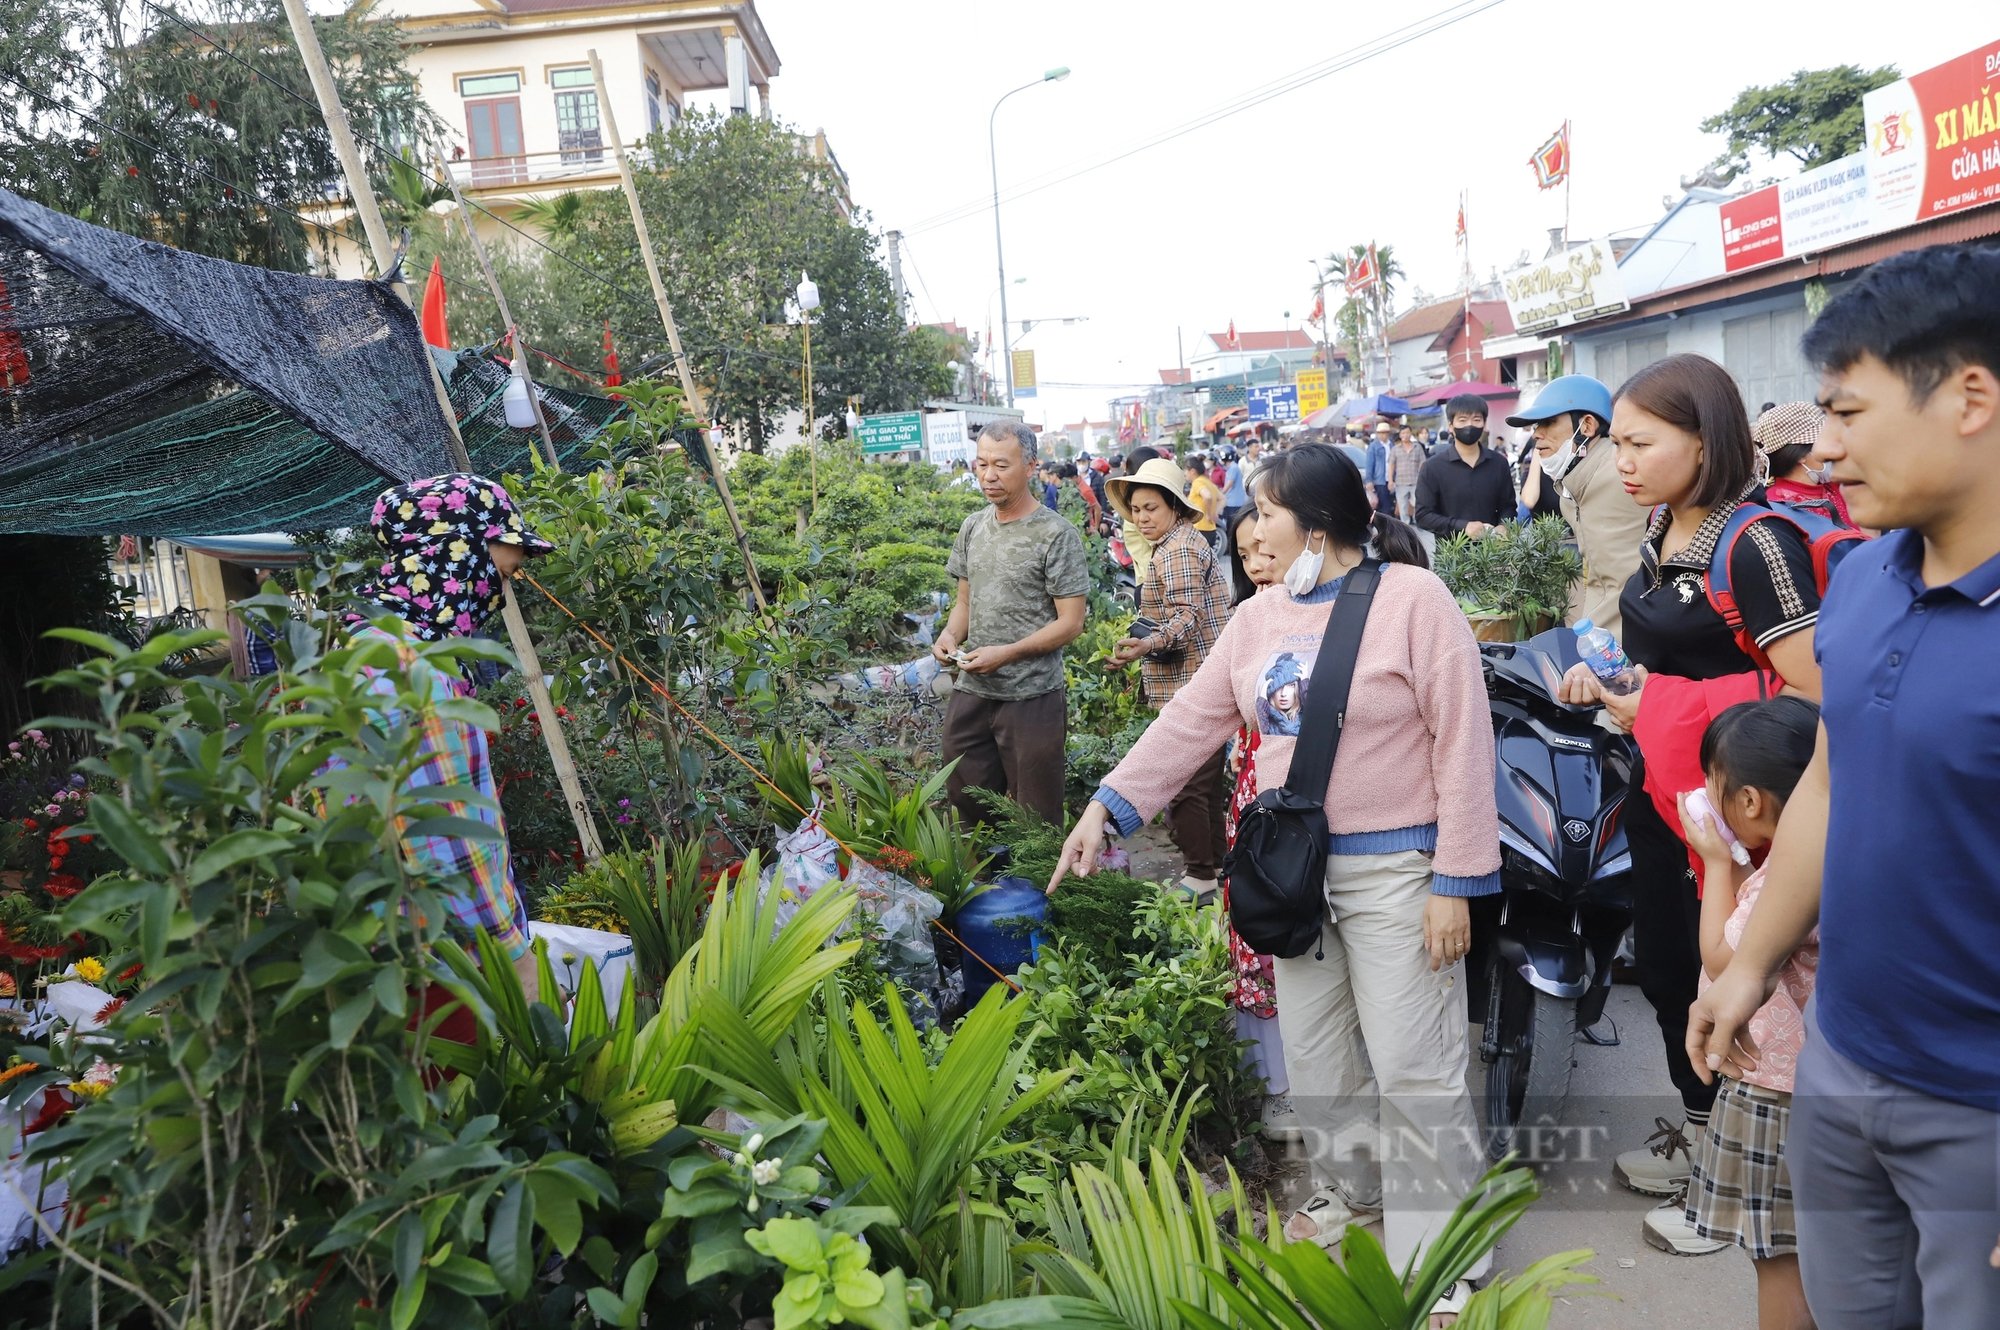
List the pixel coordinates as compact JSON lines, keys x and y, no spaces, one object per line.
{"x":1720,"y":611}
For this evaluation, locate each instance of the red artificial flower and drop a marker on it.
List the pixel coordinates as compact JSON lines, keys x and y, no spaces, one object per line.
{"x":211,"y":106}
{"x":63,"y":885}
{"x":228,"y":191}
{"x":110,"y":1009}
{"x":132,"y":171}
{"x":130,"y":972}
{"x":194,"y":101}
{"x":30,"y":824}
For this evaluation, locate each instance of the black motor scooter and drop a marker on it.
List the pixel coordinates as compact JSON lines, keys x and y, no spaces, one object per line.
{"x":1544,"y":946}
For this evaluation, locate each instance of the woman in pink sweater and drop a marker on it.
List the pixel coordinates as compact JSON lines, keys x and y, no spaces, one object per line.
{"x":1379,"y":1008}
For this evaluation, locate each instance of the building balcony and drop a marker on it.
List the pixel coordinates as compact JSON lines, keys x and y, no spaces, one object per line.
{"x":525,"y":172}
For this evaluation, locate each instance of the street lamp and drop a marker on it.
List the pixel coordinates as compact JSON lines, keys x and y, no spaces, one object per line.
{"x":1055,"y":75}
{"x":807,"y":296}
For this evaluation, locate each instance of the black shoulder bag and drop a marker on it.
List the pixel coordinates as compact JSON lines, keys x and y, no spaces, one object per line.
{"x":1277,"y":867}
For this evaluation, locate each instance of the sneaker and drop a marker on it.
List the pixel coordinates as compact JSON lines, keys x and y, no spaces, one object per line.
{"x":1661,"y":1166}
{"x":1667,"y":1228}
{"x":1201,"y":888}
{"x":1281,"y":1120}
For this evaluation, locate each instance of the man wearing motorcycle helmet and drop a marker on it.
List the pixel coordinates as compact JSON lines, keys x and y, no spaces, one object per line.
{"x":1568,"y":420}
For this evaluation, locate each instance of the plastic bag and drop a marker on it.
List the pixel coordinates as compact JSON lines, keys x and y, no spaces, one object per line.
{"x":570,"y":946}
{"x":915,"y":676}
{"x":903,"y":913}
{"x":807,"y":860}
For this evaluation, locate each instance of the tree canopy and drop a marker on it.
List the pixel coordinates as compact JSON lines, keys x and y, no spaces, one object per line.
{"x":178,"y":122}
{"x":739,"y":210}
{"x":1812,"y":117}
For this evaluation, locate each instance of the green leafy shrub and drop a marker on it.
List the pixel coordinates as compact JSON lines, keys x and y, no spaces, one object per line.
{"x":1137,"y":1029}
{"x":1524,"y":572}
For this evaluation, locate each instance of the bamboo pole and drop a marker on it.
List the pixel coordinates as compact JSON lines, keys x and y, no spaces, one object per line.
{"x":378,"y":242}
{"x":689,"y":389}
{"x":506,"y":314}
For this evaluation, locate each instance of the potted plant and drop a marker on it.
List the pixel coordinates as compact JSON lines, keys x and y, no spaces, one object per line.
{"x":1515,"y":581}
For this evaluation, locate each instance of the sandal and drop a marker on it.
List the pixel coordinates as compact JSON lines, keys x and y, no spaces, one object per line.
{"x":1453,"y":1302}
{"x":1328,"y":1212}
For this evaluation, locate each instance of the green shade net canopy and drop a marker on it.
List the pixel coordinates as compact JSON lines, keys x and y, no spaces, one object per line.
{"x":238,"y":464}
{"x":101,"y":331}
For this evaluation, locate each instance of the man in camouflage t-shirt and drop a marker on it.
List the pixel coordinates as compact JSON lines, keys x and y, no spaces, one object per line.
{"x":1021,"y":587}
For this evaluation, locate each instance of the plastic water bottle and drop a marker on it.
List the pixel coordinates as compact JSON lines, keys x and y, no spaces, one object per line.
{"x":1600,"y":651}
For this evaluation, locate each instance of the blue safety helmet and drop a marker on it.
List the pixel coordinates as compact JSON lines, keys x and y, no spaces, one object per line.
{"x":1572,"y":393}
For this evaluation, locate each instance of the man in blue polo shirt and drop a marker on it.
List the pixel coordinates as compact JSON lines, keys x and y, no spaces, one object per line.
{"x":1892,"y":840}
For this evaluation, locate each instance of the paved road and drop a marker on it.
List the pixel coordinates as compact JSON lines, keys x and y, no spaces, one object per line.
{"x":1615,"y":1093}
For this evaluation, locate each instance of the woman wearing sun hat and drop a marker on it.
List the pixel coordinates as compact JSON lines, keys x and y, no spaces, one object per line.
{"x":1186,"y":595}
{"x":448,"y":543}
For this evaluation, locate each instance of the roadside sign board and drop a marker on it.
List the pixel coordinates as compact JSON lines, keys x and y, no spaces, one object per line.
{"x":1312,"y":391}
{"x":945,"y":439}
{"x":895,"y":432}
{"x":1024,"y":374}
{"x":1278,"y":403}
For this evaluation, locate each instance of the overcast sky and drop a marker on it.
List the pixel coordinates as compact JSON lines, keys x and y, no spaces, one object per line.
{"x":1221,"y":223}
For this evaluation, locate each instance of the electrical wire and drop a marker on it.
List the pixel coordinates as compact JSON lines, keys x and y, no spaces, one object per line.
{"x":937,"y":310}
{"x":1383,"y":45}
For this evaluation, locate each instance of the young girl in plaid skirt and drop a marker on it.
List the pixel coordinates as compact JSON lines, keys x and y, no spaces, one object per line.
{"x":1740,"y":1190}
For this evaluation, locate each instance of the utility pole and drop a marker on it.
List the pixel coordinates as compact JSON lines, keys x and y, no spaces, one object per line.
{"x":896,"y":270}
{"x":696,"y":403}
{"x":378,"y":241}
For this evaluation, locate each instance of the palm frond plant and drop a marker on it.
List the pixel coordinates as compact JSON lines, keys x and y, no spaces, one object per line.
{"x":658,"y":895}
{"x":1140,"y":1243}
{"x":1293,"y":1286}
{"x":908,"y":1132}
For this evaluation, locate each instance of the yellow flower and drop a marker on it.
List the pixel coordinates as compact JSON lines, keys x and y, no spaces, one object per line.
{"x":420,"y":584}
{"x":439,"y":527}
{"x":89,"y":1089}
{"x":89,"y":969}
{"x":407,"y":510}
{"x":458,"y":549}
{"x":412,"y":563}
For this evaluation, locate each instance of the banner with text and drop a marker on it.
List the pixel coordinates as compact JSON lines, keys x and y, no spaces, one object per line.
{"x":1312,"y":391}
{"x":1752,"y":231}
{"x":1565,"y":288}
{"x":895,"y":432}
{"x":1024,"y":374}
{"x":1932,"y":140}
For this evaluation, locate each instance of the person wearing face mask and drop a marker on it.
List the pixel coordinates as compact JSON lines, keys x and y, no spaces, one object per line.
{"x":448,"y":542}
{"x":1375,"y":1015}
{"x":1787,"y":435}
{"x":1469,"y":490}
{"x":1186,"y":596}
{"x":1574,"y":462}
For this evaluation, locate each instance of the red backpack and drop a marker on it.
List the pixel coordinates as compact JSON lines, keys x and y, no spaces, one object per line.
{"x":1826,"y":536}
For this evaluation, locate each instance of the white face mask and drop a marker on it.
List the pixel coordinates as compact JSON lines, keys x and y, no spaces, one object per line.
{"x":1303,"y":575}
{"x":1558,"y":463}
{"x":1820,"y":475}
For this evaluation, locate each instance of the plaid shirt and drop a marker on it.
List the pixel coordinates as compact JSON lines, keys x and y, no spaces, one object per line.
{"x":1187,"y":594}
{"x":481,"y":876}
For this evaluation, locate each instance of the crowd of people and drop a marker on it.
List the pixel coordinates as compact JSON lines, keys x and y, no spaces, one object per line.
{"x":1816,"y":933}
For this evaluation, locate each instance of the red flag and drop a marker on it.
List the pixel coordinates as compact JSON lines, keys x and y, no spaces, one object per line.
{"x":1361,"y":275}
{"x":433,"y":320}
{"x":612,"y":378}
{"x":13,"y":350}
{"x":1551,"y":160}
{"x":1232,"y":334}
{"x":1459,"y":234}
{"x":1319,"y":306}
